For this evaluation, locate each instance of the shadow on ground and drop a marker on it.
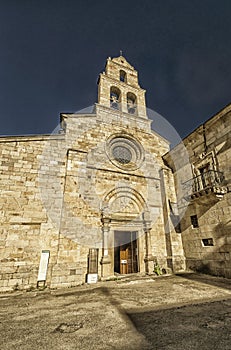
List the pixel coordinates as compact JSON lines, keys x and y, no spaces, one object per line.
{"x":201,"y":326}
{"x":189,"y":311}
{"x":207,"y":279}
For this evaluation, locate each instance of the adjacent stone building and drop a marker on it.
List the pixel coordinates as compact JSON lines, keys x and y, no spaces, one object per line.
{"x":103,"y":195}
{"x":206,"y":199}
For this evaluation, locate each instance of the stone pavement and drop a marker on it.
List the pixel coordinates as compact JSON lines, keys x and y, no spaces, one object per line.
{"x":187,"y":311}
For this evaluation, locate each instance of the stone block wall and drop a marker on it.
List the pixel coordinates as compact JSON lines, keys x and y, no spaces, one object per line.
{"x":25,"y":227}
{"x":64,"y":193}
{"x":91,"y":175}
{"x":53,"y":191}
{"x":111,"y":78}
{"x":207,"y":247}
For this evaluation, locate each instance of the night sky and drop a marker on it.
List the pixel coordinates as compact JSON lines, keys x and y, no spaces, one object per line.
{"x":53,"y":51}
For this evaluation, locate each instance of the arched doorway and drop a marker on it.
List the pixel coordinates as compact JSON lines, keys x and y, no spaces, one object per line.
{"x":125,"y":235}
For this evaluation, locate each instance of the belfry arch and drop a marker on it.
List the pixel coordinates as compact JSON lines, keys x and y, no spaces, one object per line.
{"x":119,"y":89}
{"x":131,"y":103}
{"x":123,"y":76}
{"x":115,"y":97}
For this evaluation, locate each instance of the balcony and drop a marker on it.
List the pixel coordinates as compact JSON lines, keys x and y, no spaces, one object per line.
{"x":210,"y":182}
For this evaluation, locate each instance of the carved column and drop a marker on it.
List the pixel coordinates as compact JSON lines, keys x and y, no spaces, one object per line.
{"x":149,"y":258}
{"x":105,"y":260}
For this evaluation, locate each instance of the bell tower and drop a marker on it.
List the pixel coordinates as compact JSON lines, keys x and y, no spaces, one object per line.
{"x":118,"y":88}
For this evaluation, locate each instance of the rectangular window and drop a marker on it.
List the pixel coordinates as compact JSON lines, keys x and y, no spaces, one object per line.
{"x":207,"y":242}
{"x":194,"y":221}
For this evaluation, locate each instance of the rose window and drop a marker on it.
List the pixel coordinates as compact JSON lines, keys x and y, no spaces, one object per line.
{"x":122,"y":154}
{"x":125,"y":152}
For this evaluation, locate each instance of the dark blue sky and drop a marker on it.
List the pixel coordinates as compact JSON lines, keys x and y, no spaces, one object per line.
{"x":52,"y":52}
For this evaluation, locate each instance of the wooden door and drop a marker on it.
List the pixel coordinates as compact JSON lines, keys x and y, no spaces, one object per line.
{"x":128,"y":258}
{"x":125,"y":252}
{"x":132,"y":257}
{"x":124,"y":259}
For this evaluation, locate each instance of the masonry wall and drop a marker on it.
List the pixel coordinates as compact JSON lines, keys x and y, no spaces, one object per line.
{"x":25,"y":226}
{"x":207,"y":145}
{"x":52,"y":192}
{"x":91,"y":176}
{"x":66,"y":193}
{"x":32,"y":183}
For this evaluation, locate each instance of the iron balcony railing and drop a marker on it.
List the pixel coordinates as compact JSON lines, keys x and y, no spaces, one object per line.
{"x":205,"y":180}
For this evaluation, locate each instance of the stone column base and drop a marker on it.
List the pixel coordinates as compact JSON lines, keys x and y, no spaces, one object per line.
{"x":149,"y":263}
{"x":105,"y":266}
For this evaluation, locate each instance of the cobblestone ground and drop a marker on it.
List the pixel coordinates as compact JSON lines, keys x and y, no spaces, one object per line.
{"x":187,"y":311}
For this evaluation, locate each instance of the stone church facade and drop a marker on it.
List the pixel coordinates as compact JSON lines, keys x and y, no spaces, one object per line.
{"x":101,"y":196}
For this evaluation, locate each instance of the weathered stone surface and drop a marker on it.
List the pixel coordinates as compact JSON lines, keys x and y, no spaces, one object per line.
{"x":69,"y":192}
{"x":209,"y":195}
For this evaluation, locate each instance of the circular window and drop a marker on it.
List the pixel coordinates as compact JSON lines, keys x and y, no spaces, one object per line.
{"x":124,"y":152}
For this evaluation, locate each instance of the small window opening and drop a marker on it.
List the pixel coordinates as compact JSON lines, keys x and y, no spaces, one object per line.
{"x":123,"y":76}
{"x":131,"y":103}
{"x":205,"y":175}
{"x":194,"y":221}
{"x":178,"y":228}
{"x":115,"y":98}
{"x":207,"y":242}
